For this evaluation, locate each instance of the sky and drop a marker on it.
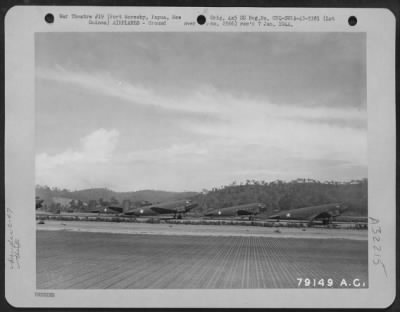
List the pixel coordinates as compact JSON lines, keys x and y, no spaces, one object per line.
{"x":193,"y":111}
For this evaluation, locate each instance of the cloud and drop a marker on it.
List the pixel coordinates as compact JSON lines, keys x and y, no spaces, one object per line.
{"x":96,"y":163}
{"x":99,"y":145}
{"x":174,"y":152}
{"x":104,"y":83}
{"x":248,"y":137}
{"x":70,"y":166}
{"x":204,"y":99}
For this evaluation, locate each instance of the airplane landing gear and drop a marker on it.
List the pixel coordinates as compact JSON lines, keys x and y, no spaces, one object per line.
{"x":178,"y":216}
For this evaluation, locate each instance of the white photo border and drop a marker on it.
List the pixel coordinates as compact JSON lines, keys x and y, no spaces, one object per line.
{"x":21,"y":24}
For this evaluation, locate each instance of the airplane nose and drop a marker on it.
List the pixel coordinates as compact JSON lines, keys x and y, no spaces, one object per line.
{"x":210,"y":214}
{"x":189,"y":204}
{"x":138,"y":212}
{"x":344,"y":207}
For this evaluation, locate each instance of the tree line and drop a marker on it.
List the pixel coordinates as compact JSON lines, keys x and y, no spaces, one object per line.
{"x":281,"y":195}
{"x":276,"y":195}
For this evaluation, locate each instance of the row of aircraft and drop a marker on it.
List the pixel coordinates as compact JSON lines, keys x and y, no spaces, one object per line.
{"x":177,"y":209}
{"x":325,"y":213}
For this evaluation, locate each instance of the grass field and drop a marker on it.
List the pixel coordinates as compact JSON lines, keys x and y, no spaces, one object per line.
{"x":82,"y":260}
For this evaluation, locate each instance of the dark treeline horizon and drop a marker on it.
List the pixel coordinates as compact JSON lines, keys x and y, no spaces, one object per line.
{"x":245,"y":182}
{"x":276,"y":195}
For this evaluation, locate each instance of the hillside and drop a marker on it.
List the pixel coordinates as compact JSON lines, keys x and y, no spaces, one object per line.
{"x":276,"y":195}
{"x":280,"y":195}
{"x":153,"y":196}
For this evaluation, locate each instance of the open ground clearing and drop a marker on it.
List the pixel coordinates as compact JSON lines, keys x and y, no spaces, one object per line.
{"x":91,"y":260}
{"x":202,"y":230}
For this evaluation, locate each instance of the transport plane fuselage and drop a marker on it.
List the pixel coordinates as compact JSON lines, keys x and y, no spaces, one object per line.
{"x":324,"y":213}
{"x":176,"y":208}
{"x":236,"y":211}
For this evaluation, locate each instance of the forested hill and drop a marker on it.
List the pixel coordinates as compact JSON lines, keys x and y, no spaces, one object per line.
{"x":276,"y":195}
{"x":279,"y":195}
{"x":153,"y":196}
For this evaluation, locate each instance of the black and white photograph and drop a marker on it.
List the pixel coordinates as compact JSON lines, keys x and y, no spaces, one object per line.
{"x":200,"y":157}
{"x":206,"y":160}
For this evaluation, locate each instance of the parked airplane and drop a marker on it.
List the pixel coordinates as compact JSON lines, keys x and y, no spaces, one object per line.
{"x":325,"y":213}
{"x":115,"y":209}
{"x":176,"y":208}
{"x":39,"y":203}
{"x":237,"y":211}
{"x":41,"y":213}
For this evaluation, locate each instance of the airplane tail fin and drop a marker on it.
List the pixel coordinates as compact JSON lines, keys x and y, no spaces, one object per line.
{"x":126,"y":205}
{"x":92,"y":205}
{"x":343,"y":207}
{"x":189,"y":205}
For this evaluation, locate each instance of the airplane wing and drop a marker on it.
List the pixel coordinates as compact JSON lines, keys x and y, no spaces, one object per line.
{"x":116,"y":208}
{"x":96,"y":210}
{"x":310,"y":213}
{"x":176,"y":208}
{"x":325,"y":215}
{"x":160,"y":210}
{"x":39,"y":203}
{"x":244,"y":212}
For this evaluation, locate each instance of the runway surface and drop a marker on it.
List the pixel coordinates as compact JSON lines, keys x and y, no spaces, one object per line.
{"x":92,"y":260}
{"x":202,"y":230}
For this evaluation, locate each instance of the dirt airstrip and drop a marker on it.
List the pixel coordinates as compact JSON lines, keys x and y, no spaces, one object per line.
{"x":92,"y":255}
{"x":203,"y":230}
